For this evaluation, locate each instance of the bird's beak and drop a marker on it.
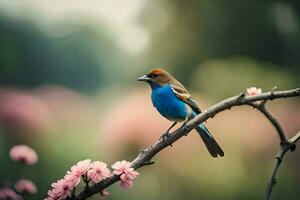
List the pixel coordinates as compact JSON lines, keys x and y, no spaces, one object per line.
{"x":144,"y":78}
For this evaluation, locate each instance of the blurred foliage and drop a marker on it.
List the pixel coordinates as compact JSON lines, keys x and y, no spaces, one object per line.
{"x":201,"y":30}
{"x":227,"y":77}
{"x":49,"y":62}
{"x":79,"y":60}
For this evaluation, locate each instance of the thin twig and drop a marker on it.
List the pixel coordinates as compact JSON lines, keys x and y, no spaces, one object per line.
{"x":295,"y":138}
{"x":146,"y":155}
{"x":272,"y":180}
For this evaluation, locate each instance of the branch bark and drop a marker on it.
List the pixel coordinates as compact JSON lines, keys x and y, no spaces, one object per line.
{"x":272,"y":180}
{"x":145,"y":155}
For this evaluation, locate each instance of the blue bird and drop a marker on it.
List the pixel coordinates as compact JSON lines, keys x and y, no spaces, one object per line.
{"x":174,"y":102}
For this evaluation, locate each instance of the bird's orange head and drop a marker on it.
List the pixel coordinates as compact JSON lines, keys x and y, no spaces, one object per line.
{"x":158,"y":76}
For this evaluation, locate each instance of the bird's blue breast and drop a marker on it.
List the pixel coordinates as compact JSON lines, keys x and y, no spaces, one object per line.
{"x":168,"y":105}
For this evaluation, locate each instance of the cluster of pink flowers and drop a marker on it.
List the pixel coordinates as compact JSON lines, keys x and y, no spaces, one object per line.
{"x":127,"y":173}
{"x":23,"y":153}
{"x":7,"y":193}
{"x":91,"y":171}
{"x":63,"y":187}
{"x":95,"y":171}
{"x":252,"y":91}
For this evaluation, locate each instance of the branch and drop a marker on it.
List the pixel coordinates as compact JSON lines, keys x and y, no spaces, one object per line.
{"x":295,"y":138}
{"x":284,"y":147}
{"x":145,"y":156}
{"x":272,"y":180}
{"x":285,"y":144}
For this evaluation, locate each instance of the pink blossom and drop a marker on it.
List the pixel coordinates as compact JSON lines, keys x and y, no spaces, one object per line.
{"x":120,"y":167}
{"x":26,"y":186}
{"x":127,"y":178}
{"x":52,"y":196}
{"x":252,"y":91}
{"x":23,"y":153}
{"x":126,"y":182}
{"x":73,"y":176}
{"x":7,"y":193}
{"x":98,"y":171}
{"x":126,"y":172}
{"x":60,"y":190}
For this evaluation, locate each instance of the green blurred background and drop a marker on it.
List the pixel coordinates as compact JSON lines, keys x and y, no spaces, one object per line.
{"x":68,"y":88}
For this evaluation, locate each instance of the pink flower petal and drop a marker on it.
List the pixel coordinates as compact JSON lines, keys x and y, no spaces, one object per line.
{"x":126,"y":184}
{"x":60,"y":189}
{"x":252,"y":91}
{"x":127,"y":173}
{"x":98,"y":171}
{"x":80,"y":168}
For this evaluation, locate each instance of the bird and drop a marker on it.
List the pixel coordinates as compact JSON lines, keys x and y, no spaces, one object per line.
{"x":172,"y":100}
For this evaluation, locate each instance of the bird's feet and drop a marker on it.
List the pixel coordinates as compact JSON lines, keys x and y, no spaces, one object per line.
{"x":164,"y":137}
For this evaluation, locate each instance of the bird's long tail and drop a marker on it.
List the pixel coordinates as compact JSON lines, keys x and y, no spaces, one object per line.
{"x":211,"y":144}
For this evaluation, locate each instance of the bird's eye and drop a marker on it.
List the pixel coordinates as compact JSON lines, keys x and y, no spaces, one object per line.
{"x":154,"y":75}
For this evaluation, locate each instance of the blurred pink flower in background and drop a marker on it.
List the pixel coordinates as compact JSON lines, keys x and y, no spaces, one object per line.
{"x":22,"y":111}
{"x":23,"y":153}
{"x":60,"y":189}
{"x":69,"y":106}
{"x":98,"y":171}
{"x":252,"y":91}
{"x":25,"y":186}
{"x":73,"y":176}
{"x":132,"y":119}
{"x":9,"y":194}
{"x":127,"y":173}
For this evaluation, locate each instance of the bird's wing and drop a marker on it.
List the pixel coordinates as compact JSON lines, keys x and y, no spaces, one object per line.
{"x":182,"y":94}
